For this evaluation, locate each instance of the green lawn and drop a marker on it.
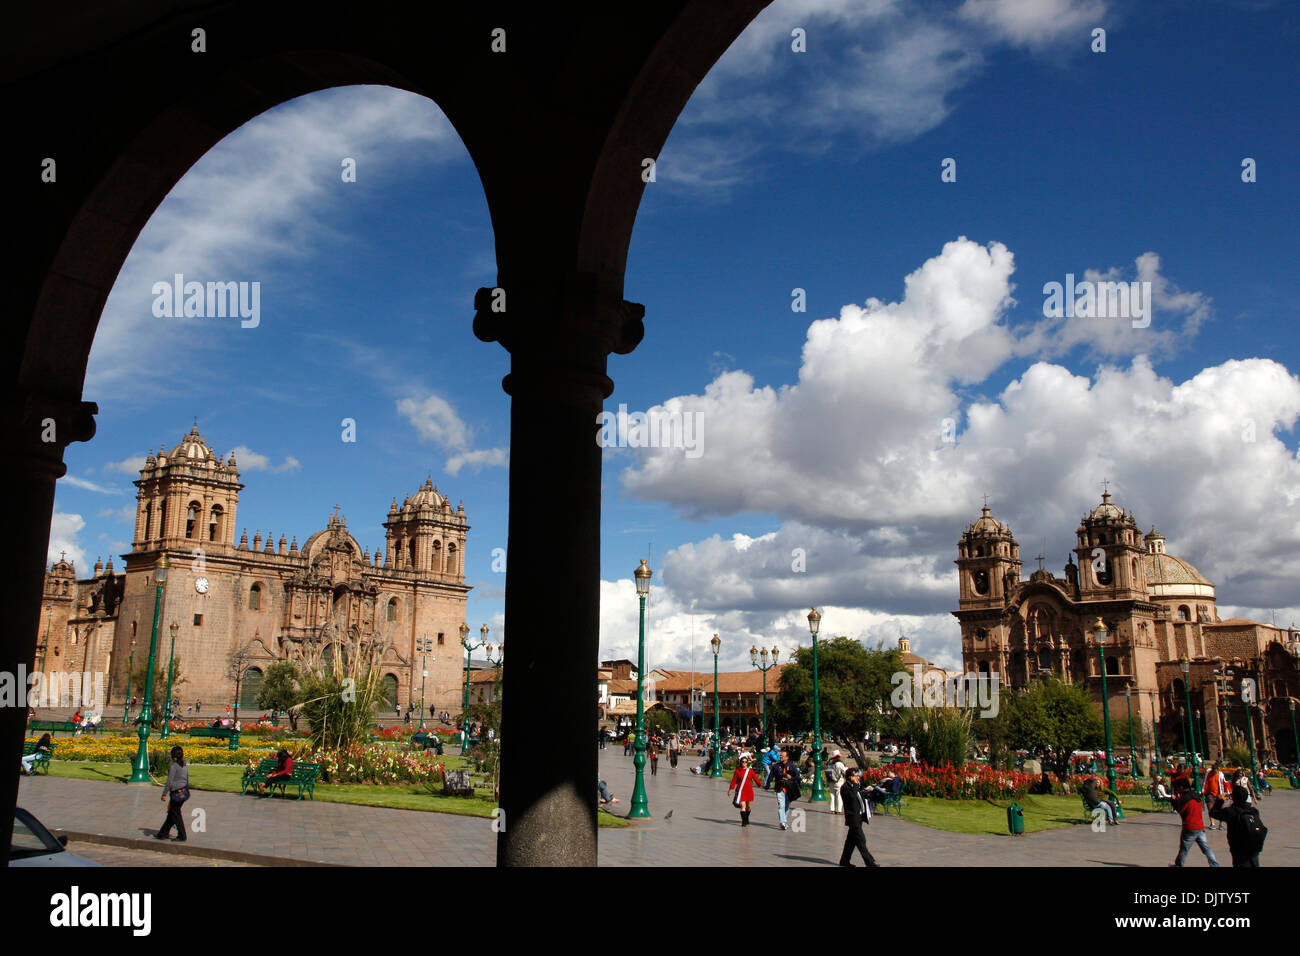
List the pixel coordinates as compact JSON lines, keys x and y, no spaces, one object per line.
{"x":990,"y":816}
{"x":225,"y":779}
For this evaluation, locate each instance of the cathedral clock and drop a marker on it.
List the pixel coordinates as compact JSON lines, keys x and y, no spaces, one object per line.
{"x":201,"y":585}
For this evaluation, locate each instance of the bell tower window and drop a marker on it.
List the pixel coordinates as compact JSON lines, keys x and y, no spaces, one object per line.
{"x":191,"y":516}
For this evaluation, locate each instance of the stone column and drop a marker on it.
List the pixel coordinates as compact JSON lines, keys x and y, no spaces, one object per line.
{"x":559,"y":335}
{"x":36,"y":429}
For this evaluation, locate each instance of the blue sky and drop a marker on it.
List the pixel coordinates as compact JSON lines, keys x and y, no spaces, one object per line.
{"x":822,"y":430}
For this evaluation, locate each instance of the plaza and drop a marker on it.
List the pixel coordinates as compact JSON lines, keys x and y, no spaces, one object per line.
{"x":704,"y":830}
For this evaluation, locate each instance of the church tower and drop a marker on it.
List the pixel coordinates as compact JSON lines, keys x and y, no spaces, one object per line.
{"x":187,"y":498}
{"x":1110,"y":549}
{"x":425,"y":535}
{"x":988,"y":563}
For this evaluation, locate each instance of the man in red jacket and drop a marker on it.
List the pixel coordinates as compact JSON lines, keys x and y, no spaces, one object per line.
{"x":1189,"y":806}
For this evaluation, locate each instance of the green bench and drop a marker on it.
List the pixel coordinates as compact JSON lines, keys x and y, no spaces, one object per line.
{"x":60,"y":726}
{"x":1157,"y":801}
{"x":427,"y":742}
{"x":891,"y":803}
{"x":42,"y":760}
{"x":218,"y":733}
{"x":303,"y":776}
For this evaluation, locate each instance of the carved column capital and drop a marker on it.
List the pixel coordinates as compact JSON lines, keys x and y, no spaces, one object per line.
{"x":45,"y":427}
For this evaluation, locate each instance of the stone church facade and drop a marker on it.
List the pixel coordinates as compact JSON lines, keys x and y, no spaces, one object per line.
{"x":1158,"y":609}
{"x":267,"y":601}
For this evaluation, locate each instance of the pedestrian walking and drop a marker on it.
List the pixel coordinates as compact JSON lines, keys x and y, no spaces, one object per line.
{"x":627,"y":745}
{"x":654,"y":760}
{"x":175,"y":792}
{"x":674,"y":750}
{"x":1216,"y":788}
{"x":1246,"y":832}
{"x":835,"y":780}
{"x":742,"y":786}
{"x":857,"y":811}
{"x":1188,"y":805}
{"x":787,"y":787}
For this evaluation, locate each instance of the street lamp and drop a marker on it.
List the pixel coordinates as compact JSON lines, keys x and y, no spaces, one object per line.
{"x":755,"y":656}
{"x":171,"y":667}
{"x":1186,"y":667}
{"x":640,"y":805}
{"x":423,"y":645}
{"x":469,"y":651}
{"x":140,"y":769}
{"x":496,"y":665}
{"x":1295,"y":737}
{"x":126,"y":698}
{"x":1248,"y":697}
{"x":1100,"y":634}
{"x":1132,"y":752}
{"x":819,"y":788}
{"x":1155,"y":733}
{"x":715,"y":767}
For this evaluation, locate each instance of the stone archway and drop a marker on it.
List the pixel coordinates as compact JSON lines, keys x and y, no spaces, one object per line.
{"x":125,"y":104}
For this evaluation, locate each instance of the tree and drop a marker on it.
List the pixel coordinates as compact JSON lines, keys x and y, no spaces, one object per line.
{"x":159,"y":701}
{"x":661,"y":720}
{"x":855,"y":686}
{"x":281,"y":690}
{"x":486,"y":715}
{"x":1050,"y":714}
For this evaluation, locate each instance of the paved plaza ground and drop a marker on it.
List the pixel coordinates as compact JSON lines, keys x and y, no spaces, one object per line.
{"x":704,"y":830}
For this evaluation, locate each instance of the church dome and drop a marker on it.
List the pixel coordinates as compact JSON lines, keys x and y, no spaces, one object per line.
{"x":1169,"y":570}
{"x":986,"y":524}
{"x":192,"y":448}
{"x":1107,"y":509}
{"x":426,"y":496}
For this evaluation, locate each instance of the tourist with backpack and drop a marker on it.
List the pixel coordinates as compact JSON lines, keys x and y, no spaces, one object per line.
{"x":835,"y":780}
{"x":1246,"y":832}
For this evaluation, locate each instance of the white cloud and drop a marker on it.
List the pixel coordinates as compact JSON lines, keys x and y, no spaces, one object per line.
{"x":852,"y":463}
{"x":64,"y":528}
{"x":248,"y":460}
{"x":76,"y":482}
{"x":260,"y":199}
{"x":122,"y":515}
{"x":437,"y":421}
{"x":1036,"y":23}
{"x":128,"y":466}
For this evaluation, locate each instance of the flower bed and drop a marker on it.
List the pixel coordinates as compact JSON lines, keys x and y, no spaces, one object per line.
{"x":123,"y":749}
{"x":370,"y":763}
{"x":978,"y":782}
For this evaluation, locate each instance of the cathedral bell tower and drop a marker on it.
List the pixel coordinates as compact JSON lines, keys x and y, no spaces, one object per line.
{"x":425,"y":536}
{"x":186,"y":499}
{"x":1110,"y":549}
{"x":988,"y":563}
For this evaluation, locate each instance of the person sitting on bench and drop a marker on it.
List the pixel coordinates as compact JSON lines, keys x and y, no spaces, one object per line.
{"x":43,"y":749}
{"x":1162,"y":792}
{"x":1094,"y":796}
{"x":281,"y":774}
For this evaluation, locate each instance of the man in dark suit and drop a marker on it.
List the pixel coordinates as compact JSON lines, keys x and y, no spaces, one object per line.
{"x":857,"y":811}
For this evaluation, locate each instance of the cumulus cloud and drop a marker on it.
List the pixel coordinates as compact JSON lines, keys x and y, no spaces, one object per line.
{"x":122,"y":515}
{"x":1035,"y":23}
{"x":127,"y":466}
{"x":64,"y":528}
{"x":248,"y":460}
{"x":875,"y":460}
{"x":436,"y":420}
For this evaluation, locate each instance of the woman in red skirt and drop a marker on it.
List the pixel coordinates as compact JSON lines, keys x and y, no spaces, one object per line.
{"x":742,"y":784}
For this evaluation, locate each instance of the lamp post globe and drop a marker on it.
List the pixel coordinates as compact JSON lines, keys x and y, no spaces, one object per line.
{"x":640,"y":807}
{"x":715,"y":765}
{"x":140,"y":766}
{"x":1100,"y":634}
{"x":819,"y":786}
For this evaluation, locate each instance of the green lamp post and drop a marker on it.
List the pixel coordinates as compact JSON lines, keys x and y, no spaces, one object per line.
{"x":126,"y":698}
{"x":1186,"y":667}
{"x":140,"y":768}
{"x":819,"y":787}
{"x":1132,"y":749}
{"x":1100,"y":635}
{"x":469,"y":652}
{"x":1155,"y":733}
{"x":755,"y":656}
{"x":1295,"y":737}
{"x":171,"y":668}
{"x":424,"y":645}
{"x":715,"y":765}
{"x":640,"y":805}
{"x":1248,"y":697}
{"x":495,"y":661}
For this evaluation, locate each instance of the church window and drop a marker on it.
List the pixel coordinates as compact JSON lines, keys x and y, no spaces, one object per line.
{"x":191,"y":516}
{"x":214,"y":524}
{"x":251,"y":689}
{"x":451,"y":559}
{"x":981,"y":634}
{"x":198,"y":620}
{"x":255,"y":598}
{"x":437,"y":556}
{"x":979,"y":551}
{"x":392,"y":609}
{"x":162,"y":518}
{"x":133,"y":627}
{"x":1112,"y":665}
{"x":441,"y":636}
{"x":148,"y":521}
{"x":1045,"y":659}
{"x":1184,"y":612}
{"x":411,"y":549}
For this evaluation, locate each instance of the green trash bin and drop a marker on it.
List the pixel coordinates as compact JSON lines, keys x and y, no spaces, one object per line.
{"x":1015,"y":820}
{"x":234,"y":740}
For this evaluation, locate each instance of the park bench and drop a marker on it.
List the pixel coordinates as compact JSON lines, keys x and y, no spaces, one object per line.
{"x":218,"y":733}
{"x":60,"y":726}
{"x":427,"y":742}
{"x":303,"y":776}
{"x":1157,"y":801}
{"x":891,"y":803}
{"x":43,"y":760}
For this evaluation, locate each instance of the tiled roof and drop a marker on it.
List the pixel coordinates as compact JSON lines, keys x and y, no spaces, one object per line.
{"x":1166,"y":569}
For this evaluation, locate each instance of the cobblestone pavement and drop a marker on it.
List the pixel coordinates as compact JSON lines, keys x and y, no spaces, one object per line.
{"x":131,"y":856}
{"x":703,"y":830}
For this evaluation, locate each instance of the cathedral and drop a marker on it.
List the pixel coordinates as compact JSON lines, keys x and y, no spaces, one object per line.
{"x":266,"y":601}
{"x":1159,"y":612}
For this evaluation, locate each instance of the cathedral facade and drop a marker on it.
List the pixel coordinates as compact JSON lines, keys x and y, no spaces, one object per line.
{"x":240,"y":607}
{"x":1159,"y":612}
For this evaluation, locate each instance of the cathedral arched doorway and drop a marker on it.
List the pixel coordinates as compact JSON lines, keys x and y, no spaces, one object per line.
{"x":388,"y":692}
{"x":251,"y":687}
